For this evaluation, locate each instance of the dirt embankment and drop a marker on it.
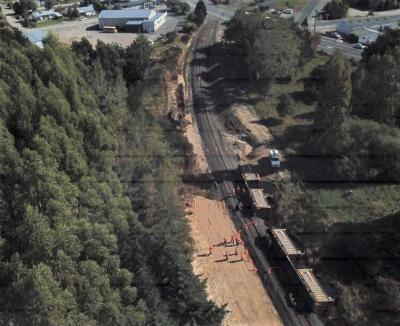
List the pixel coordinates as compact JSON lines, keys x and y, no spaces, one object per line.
{"x":234,"y":281}
{"x":244,"y":119}
{"x":190,"y":130}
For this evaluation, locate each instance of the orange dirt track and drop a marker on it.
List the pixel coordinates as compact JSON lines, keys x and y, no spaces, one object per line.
{"x":234,"y":281}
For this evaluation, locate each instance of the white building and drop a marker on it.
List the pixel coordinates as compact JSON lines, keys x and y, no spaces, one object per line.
{"x":87,"y":11}
{"x":46,"y":14}
{"x":136,"y":20}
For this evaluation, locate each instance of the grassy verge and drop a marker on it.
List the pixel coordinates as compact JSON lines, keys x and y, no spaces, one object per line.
{"x":49,"y":22}
{"x":296,"y":5}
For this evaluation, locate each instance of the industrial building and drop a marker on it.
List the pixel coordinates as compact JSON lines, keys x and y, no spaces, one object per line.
{"x":135,"y":20}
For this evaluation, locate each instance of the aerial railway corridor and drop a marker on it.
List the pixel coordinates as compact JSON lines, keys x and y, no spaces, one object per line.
{"x":221,"y":159}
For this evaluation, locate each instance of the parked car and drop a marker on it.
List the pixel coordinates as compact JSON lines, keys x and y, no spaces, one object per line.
{"x":335,"y":35}
{"x":359,"y":46}
{"x":288,"y":11}
{"x":275,"y":159}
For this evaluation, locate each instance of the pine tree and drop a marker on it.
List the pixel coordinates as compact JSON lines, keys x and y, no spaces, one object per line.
{"x":335,"y":96}
{"x":284,"y":106}
{"x":200,"y":12}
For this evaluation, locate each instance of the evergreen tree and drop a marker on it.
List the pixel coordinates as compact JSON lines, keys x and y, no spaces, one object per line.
{"x":285,"y":106}
{"x":336,"y":9}
{"x":79,"y":243}
{"x":380,"y":72}
{"x":334,"y":97}
{"x":200,"y":12}
{"x":22,"y":7}
{"x":48,"y":4}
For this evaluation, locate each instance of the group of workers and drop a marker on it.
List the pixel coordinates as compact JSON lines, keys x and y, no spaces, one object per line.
{"x":236,"y":240}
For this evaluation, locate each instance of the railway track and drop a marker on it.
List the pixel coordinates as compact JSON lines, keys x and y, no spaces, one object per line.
{"x":221,"y":160}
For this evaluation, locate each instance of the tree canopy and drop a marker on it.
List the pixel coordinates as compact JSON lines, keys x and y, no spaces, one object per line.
{"x":91,"y":230}
{"x":335,"y":95}
{"x":336,"y":9}
{"x":273,"y":47}
{"x":200,"y":12}
{"x":23,"y":6}
{"x":357,"y":115}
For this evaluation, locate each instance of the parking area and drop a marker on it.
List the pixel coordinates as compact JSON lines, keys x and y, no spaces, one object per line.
{"x":69,"y":31}
{"x":90,"y":30}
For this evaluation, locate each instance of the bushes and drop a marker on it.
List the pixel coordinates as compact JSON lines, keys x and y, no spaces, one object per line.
{"x":189,"y":28}
{"x":367,"y":150}
{"x":285,"y":106}
{"x":178,"y":7}
{"x":171,"y":37}
{"x":185,"y":38}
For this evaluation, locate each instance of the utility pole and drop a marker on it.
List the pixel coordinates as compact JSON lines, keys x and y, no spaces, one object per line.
{"x":315,"y":20}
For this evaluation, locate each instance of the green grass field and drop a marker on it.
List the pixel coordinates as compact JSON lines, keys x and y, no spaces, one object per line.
{"x":367,"y":202}
{"x":49,"y":22}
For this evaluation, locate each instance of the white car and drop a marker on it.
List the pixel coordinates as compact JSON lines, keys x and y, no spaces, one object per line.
{"x":288,"y":11}
{"x":275,"y":160}
{"x":359,"y":46}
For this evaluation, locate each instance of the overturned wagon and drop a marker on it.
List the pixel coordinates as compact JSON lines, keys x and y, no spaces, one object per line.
{"x":314,"y":296}
{"x":259,"y":202}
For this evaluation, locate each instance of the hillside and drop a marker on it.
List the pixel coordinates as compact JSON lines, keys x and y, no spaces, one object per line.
{"x":91,"y":231}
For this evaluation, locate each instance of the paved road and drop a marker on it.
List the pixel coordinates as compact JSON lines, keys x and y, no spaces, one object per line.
{"x":329,"y":45}
{"x":308,"y":11}
{"x":371,"y":22}
{"x":213,"y":10}
{"x":222,"y":159}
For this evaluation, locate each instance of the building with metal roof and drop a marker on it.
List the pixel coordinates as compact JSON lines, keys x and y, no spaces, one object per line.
{"x":139,"y":20}
{"x":258,"y":199}
{"x":45,"y":14}
{"x":317,"y":294}
{"x":285,"y":243}
{"x":366,"y":35}
{"x":87,"y":11}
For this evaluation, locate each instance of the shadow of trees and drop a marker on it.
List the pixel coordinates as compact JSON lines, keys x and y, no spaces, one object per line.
{"x":227,"y":80}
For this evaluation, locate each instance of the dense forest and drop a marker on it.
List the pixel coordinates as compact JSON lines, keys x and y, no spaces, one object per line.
{"x":91,"y":230}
